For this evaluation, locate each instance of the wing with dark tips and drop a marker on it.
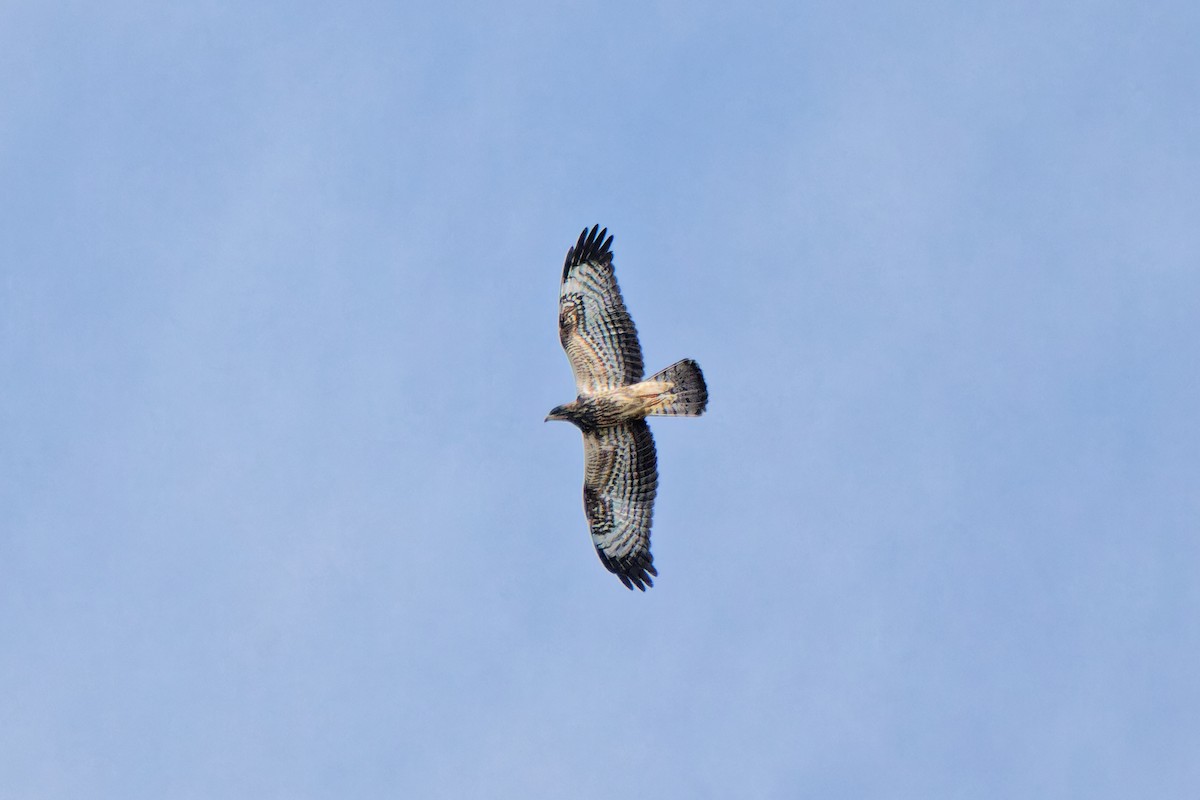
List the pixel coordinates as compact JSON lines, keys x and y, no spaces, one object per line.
{"x":619,"y":482}
{"x":593,"y":325}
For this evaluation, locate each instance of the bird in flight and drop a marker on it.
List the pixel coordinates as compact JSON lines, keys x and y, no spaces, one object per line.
{"x":620,"y":471}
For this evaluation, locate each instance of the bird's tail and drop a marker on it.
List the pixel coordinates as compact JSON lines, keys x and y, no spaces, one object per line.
{"x":685,"y":393}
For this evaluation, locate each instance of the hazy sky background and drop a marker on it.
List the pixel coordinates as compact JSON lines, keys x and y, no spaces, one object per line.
{"x":281,"y":518}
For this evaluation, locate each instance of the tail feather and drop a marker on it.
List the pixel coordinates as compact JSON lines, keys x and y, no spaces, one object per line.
{"x":687,"y":395}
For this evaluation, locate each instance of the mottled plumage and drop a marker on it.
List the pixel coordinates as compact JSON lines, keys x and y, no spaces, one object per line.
{"x":620,"y":474}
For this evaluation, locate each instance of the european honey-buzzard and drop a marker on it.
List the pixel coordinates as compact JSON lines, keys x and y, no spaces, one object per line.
{"x":620,"y":474}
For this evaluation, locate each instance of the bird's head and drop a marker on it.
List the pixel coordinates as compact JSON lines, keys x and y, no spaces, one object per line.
{"x":560,"y":412}
{"x":577,"y":412}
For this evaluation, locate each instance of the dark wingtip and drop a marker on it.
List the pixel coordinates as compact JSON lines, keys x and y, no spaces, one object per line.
{"x":633,"y":572}
{"x":591,"y":246}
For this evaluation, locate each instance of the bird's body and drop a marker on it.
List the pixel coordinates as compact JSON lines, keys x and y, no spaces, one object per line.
{"x":620,"y":463}
{"x":612,"y":406}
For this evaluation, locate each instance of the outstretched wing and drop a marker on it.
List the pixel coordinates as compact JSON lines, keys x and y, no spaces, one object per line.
{"x":593,"y":325}
{"x":620,"y":478}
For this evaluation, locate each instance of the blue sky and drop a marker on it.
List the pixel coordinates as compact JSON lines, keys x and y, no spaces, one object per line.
{"x":280,"y":516}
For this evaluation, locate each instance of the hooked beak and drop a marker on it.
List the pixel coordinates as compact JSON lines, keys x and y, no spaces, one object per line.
{"x":555,"y":413}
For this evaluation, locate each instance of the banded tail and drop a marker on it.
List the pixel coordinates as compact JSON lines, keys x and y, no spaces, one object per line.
{"x":686,"y":395}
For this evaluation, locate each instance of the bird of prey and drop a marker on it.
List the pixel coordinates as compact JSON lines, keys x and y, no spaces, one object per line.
{"x":620,"y":472}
